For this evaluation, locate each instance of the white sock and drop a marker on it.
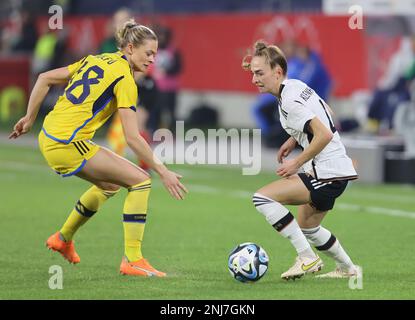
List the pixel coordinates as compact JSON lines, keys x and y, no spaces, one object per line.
{"x":284,"y":222}
{"x":326,"y":242}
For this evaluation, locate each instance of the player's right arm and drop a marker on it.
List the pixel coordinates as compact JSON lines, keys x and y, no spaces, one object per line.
{"x":286,"y":149}
{"x":40,"y":90}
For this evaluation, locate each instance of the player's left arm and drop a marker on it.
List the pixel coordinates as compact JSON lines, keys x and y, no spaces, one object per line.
{"x":141,"y":148}
{"x":40,"y":90}
{"x":321,"y":138}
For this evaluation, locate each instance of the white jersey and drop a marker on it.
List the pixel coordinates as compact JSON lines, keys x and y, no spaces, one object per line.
{"x":297,"y":105}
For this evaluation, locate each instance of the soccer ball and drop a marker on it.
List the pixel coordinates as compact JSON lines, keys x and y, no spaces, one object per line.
{"x":248,"y":262}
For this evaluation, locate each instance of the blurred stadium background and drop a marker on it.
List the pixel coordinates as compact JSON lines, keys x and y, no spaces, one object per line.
{"x":366,"y":75}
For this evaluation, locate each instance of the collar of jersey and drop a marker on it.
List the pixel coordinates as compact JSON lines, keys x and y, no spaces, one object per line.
{"x":282,"y":85}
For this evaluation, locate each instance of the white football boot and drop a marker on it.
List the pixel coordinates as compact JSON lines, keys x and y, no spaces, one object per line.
{"x":302,"y":266}
{"x":338,"y":273}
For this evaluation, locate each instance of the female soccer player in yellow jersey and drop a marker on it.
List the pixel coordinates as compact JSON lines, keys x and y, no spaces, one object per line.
{"x":97,"y":86}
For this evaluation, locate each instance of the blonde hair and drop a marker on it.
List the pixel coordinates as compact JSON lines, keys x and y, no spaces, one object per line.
{"x":273,"y":56}
{"x":132,"y":32}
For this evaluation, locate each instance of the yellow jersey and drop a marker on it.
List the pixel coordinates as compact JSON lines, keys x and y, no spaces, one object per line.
{"x":99,"y":85}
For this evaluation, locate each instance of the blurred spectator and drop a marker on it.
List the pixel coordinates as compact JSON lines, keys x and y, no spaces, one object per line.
{"x":110,"y":44}
{"x":26,"y":40}
{"x":49,"y":51}
{"x":294,"y":63}
{"x":20,"y":34}
{"x":404,"y":122}
{"x":265,"y":111}
{"x":115,"y":134}
{"x":311,"y":70}
{"x":147,"y":92}
{"x":167,"y":68}
{"x":392,"y":88}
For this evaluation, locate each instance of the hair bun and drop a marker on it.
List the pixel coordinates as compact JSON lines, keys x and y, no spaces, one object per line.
{"x":132,"y":32}
{"x":130,"y":24}
{"x":260,"y":45}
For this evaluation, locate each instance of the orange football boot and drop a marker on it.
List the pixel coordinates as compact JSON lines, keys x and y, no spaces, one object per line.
{"x":139,"y":268}
{"x":66,"y":249}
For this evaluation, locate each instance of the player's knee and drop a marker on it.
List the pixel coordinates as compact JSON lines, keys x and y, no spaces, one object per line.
{"x":146,"y":182}
{"x":109,"y":189}
{"x":273,"y":211}
{"x":260,"y":200}
{"x":140,"y":185}
{"x":275,"y":195}
{"x":111,"y":193}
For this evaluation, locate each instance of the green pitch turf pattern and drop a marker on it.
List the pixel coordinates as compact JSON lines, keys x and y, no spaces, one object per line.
{"x":191,"y":239}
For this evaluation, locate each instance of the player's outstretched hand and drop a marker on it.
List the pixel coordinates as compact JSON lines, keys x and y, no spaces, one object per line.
{"x":173,"y":185}
{"x":21,"y":127}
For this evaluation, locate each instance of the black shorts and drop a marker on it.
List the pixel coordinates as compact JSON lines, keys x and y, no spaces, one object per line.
{"x":323,"y":193}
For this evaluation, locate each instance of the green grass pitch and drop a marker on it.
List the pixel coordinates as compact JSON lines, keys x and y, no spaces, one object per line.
{"x":191,"y":239}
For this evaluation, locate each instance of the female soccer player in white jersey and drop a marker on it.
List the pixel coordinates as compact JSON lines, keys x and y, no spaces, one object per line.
{"x":98,"y":86}
{"x":327,"y":168}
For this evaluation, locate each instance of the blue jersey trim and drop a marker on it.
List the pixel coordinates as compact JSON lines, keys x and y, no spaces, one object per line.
{"x":77,"y":129}
{"x":54,"y":138}
{"x":73,"y":172}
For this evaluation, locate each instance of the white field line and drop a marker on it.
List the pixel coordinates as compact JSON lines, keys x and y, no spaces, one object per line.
{"x":383,"y":196}
{"x":377,"y":210}
{"x":351,"y":193}
{"x":23,"y":166}
{"x":241,"y":194}
{"x":344,"y":206}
